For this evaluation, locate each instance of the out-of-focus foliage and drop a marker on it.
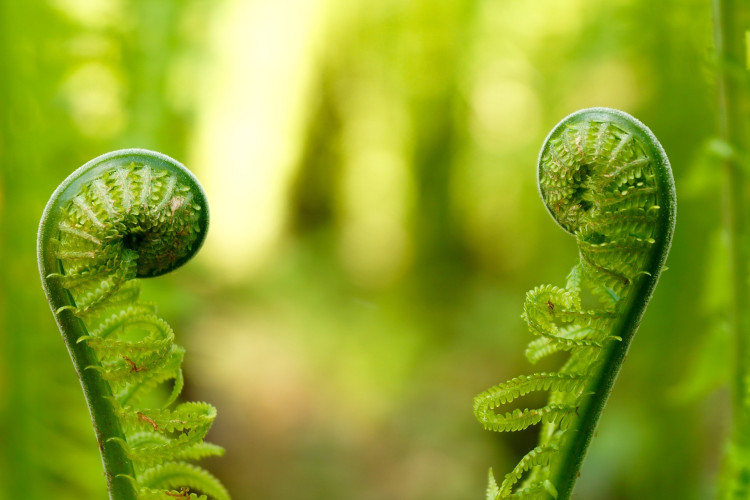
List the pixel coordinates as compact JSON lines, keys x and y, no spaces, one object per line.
{"x":375,"y":225}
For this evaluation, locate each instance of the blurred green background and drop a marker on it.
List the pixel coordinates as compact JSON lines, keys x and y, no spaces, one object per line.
{"x":375,"y":224}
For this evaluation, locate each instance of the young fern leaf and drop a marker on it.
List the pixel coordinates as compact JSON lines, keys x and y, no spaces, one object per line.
{"x":605,"y":179}
{"x":125,"y":215}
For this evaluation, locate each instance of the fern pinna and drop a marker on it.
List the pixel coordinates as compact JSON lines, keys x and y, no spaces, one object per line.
{"x":125,"y":215}
{"x":605,"y":179}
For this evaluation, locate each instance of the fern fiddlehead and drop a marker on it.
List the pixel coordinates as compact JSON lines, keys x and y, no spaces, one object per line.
{"x":605,"y":179}
{"x":125,"y":215}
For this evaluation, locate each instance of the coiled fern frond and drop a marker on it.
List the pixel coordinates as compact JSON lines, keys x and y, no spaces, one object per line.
{"x":126,"y":215}
{"x":605,"y":179}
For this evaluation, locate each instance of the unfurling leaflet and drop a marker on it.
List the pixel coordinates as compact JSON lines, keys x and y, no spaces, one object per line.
{"x":606,"y":180}
{"x":125,"y":215}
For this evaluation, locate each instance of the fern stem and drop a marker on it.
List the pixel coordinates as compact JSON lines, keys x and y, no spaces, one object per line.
{"x":575,"y":452}
{"x":117,"y":466}
{"x":731,"y":19}
{"x":729,"y":40}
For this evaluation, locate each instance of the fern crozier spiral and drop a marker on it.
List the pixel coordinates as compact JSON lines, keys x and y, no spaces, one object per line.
{"x":125,"y":215}
{"x":605,"y":179}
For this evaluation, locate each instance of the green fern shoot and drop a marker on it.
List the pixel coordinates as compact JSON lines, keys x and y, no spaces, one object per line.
{"x":606,"y":180}
{"x":125,"y":215}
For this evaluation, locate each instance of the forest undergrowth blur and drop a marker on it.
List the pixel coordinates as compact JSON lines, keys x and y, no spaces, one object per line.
{"x":370,"y":168}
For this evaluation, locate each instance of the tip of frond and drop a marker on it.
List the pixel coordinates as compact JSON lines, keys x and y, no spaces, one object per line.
{"x":492,"y":489}
{"x":550,"y":488}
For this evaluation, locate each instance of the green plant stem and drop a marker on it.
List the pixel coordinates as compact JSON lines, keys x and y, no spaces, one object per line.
{"x":575,"y":451}
{"x":105,"y":422}
{"x":730,"y":18}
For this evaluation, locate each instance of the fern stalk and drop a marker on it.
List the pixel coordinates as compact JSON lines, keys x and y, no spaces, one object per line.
{"x":117,"y":465}
{"x":731,"y":22}
{"x":729,"y":40}
{"x":605,"y":179}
